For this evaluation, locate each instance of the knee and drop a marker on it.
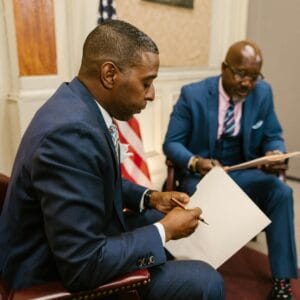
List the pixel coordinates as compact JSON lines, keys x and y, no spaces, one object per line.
{"x":284,"y":194}
{"x":216,"y":287}
{"x":211,"y":284}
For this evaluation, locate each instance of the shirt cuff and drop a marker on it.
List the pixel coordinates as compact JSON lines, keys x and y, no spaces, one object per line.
{"x":142,"y":206}
{"x":161,"y":231}
{"x":190,"y":162}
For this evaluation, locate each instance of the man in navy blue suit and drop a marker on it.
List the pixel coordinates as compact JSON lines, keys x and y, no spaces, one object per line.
{"x":63,"y":214}
{"x":230,"y":119}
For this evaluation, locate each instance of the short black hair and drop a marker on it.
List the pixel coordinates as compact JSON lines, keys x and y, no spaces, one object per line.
{"x":117,"y":41}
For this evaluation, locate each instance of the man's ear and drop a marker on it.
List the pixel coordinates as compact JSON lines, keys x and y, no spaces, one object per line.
{"x":223,"y":66}
{"x":108,"y":74}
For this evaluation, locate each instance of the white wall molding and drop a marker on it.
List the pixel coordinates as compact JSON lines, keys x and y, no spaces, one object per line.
{"x":82,"y":18}
{"x":184,"y":74}
{"x":228,"y":24}
{"x":23,"y":83}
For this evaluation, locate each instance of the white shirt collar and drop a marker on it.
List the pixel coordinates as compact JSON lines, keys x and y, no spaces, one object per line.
{"x":107,"y":118}
{"x":124,"y":153}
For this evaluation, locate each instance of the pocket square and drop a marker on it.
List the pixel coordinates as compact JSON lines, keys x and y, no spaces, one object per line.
{"x":258,"y":124}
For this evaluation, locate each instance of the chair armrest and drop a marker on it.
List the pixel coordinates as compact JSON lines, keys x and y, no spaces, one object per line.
{"x":55,"y":290}
{"x":170,"y":181}
{"x":282,"y":175}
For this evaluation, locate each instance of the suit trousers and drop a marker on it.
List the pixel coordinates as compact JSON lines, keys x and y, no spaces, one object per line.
{"x":184,"y":279}
{"x":275,"y":199}
{"x":178,"y":280}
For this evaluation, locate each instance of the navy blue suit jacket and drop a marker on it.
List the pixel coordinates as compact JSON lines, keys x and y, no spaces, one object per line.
{"x":193,"y":124}
{"x":62,"y":217}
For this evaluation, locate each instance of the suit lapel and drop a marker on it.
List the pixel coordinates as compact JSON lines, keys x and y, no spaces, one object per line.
{"x":213,"y":113}
{"x":109,"y":140}
{"x":247,"y":121}
{"x":118,"y":203}
{"x":89,"y":100}
{"x":112,"y":149}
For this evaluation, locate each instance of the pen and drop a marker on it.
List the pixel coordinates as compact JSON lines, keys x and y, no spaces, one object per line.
{"x":182,"y":206}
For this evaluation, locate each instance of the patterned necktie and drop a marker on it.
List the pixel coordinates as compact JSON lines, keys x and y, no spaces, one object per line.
{"x":229,"y":123}
{"x":113,"y":130}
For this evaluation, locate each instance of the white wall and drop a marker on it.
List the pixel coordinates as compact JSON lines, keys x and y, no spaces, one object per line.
{"x":20,"y":97}
{"x":5,"y":146}
{"x":274,"y":25}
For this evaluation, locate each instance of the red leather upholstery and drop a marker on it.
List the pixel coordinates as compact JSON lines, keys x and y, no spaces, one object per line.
{"x":55,"y":290}
{"x":3,"y":187}
{"x":124,"y":286}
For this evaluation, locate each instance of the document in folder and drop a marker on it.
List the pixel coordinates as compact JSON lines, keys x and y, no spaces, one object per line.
{"x":262,"y":161}
{"x":232,"y":216}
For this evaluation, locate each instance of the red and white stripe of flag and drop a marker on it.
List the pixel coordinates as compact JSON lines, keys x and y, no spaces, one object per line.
{"x":134,"y":167}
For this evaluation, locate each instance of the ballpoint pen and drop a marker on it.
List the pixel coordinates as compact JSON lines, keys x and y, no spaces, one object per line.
{"x":182,"y":206}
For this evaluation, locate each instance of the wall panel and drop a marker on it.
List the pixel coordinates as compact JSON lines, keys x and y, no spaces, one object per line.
{"x":35,"y":32}
{"x":274,"y":25}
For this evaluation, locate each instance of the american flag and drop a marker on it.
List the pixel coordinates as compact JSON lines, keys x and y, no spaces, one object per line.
{"x":134,"y":167}
{"x":107,"y":10}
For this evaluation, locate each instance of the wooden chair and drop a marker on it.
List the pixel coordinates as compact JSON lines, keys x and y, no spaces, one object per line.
{"x":124,"y":287}
{"x":172,"y":182}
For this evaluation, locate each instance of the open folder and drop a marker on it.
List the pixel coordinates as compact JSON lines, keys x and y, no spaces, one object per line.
{"x":269,"y":159}
{"x":232,"y":216}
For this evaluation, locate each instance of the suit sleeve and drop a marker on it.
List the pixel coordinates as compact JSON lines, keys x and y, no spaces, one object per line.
{"x":272,"y":137}
{"x":72,"y":173}
{"x":179,"y":131}
{"x":132,"y":194}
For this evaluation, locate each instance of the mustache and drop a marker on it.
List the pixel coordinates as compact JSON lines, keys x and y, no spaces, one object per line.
{"x":243,"y":89}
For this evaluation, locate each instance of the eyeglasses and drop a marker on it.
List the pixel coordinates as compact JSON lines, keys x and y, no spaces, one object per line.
{"x":240,"y":75}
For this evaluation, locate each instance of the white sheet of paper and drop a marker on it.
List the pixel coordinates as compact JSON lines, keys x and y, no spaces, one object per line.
{"x":232,"y":216}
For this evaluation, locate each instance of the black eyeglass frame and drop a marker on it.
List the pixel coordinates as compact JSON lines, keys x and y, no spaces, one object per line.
{"x":240,"y":75}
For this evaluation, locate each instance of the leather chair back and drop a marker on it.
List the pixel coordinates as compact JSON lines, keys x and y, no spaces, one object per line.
{"x":124,"y":287}
{"x":3,"y":188}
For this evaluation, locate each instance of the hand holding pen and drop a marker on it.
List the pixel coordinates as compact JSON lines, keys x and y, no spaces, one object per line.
{"x":178,"y":203}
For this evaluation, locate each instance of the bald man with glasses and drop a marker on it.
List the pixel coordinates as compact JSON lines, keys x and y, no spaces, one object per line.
{"x":227,"y":120}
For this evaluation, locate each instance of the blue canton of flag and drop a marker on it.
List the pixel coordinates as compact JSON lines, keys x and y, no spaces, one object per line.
{"x":107,"y":10}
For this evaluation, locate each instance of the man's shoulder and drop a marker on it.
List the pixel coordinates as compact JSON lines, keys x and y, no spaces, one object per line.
{"x":263,"y":86}
{"x":63,"y":111}
{"x":204,"y":84}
